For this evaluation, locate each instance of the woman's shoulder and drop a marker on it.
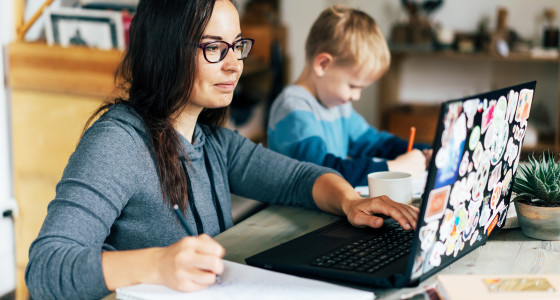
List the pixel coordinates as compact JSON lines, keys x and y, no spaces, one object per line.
{"x":118,"y":127}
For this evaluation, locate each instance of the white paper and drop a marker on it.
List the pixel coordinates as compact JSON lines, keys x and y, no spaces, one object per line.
{"x":245,"y":282}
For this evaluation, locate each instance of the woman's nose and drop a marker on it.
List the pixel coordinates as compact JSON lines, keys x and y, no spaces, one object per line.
{"x":231,"y":63}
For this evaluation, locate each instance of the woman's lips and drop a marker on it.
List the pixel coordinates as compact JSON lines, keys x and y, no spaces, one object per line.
{"x":227,"y":85}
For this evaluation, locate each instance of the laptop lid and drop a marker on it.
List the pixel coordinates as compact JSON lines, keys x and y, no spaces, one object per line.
{"x":476,"y":153}
{"x":467,"y":194}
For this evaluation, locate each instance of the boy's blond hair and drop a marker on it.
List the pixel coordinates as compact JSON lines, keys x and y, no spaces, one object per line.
{"x":351,"y":36}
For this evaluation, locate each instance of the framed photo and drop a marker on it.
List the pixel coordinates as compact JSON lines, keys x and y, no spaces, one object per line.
{"x":101,"y":29}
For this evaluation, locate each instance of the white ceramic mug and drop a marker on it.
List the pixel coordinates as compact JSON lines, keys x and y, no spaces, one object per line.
{"x":395,"y":185}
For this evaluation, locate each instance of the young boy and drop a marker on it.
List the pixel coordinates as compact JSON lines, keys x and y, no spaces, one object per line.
{"x":313,"y":119}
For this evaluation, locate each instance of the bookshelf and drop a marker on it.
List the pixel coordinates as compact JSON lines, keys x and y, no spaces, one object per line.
{"x":397,"y":117}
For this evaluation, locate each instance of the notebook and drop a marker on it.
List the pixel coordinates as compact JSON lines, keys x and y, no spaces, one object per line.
{"x":499,"y":286}
{"x":476,"y":153}
{"x":244,"y":283}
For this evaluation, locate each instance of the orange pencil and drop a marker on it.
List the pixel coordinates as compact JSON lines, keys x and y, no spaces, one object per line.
{"x":411,"y":138}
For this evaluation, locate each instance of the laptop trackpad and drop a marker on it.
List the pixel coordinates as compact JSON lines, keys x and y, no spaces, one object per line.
{"x":346,"y":231}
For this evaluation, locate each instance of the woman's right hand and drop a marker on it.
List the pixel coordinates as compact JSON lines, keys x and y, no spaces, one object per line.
{"x":191,"y":264}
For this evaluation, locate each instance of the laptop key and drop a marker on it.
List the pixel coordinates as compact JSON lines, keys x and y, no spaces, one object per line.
{"x":369,"y":255}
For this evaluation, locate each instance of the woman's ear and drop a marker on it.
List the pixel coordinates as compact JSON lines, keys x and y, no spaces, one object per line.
{"x":321,"y":63}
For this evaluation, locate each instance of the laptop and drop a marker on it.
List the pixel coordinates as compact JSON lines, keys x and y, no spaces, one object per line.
{"x":476,"y":153}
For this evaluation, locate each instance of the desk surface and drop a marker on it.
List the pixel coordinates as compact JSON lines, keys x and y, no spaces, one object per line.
{"x":507,"y":252}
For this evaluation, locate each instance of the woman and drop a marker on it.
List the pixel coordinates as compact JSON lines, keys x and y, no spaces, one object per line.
{"x":111,"y":223}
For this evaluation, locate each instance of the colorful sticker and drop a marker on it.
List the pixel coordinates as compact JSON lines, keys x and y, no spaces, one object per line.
{"x":491,"y":225}
{"x":489,"y":137}
{"x":506,"y":183}
{"x":487,"y":116}
{"x":495,"y":176}
{"x":500,"y":111}
{"x":512,"y":105}
{"x":427,"y":235}
{"x":460,"y":193}
{"x":474,"y":138}
{"x":484,"y":215}
{"x":446,"y":225}
{"x":481,"y":178}
{"x":463,"y":167}
{"x":437,"y":202}
{"x":474,"y":238}
{"x":524,"y":106}
{"x":449,"y":155}
{"x":498,"y":144}
{"x":511,"y":151}
{"x":470,"y":107}
{"x":450,"y":244}
{"x":474,"y":206}
{"x":518,"y":132}
{"x":477,"y":155}
{"x":435,"y":254}
{"x":503,"y":213}
{"x":471,"y":225}
{"x":496,"y":196}
{"x":461,"y":218}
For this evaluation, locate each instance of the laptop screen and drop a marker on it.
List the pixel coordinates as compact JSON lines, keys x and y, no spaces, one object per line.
{"x":476,"y":153}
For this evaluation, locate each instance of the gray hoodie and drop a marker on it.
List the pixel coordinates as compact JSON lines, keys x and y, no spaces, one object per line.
{"x":109,"y":198}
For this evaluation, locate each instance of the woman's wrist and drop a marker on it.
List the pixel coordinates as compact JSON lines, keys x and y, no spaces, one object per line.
{"x":124,"y":268}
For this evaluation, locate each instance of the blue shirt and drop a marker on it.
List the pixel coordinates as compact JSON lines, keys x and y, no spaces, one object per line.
{"x":338,"y":138}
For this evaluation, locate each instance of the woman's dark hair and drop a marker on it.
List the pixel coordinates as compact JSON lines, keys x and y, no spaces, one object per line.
{"x":157,"y":75}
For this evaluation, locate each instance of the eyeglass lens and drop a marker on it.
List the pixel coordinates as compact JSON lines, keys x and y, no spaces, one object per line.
{"x":217,"y":51}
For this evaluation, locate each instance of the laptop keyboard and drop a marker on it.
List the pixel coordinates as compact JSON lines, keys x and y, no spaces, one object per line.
{"x":369,"y":254}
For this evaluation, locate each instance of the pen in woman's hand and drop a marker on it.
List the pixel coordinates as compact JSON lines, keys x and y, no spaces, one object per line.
{"x":190,"y":232}
{"x":182,"y":220}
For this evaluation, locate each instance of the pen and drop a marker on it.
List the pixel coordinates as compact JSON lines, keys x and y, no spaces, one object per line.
{"x":189,"y":231}
{"x":411,"y":138}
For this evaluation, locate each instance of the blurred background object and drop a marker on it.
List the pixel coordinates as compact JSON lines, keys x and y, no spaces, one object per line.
{"x":417,"y":32}
{"x":551,"y":32}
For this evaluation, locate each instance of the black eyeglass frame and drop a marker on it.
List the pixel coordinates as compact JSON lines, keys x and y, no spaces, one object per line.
{"x":229,"y":46}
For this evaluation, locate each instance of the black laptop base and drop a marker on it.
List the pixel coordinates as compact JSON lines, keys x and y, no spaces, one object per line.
{"x":291,"y":257}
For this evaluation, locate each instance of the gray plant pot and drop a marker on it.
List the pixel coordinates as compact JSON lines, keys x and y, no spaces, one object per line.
{"x":537,"y":222}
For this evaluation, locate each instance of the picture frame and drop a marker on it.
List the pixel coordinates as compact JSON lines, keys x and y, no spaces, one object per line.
{"x":101,"y":29}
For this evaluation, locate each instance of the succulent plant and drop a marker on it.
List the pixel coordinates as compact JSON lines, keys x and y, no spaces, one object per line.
{"x":538,"y":182}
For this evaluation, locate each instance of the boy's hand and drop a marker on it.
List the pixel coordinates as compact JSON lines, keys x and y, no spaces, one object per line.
{"x":413,"y":162}
{"x":363,"y":212}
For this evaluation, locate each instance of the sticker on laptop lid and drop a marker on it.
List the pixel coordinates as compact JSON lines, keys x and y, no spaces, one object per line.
{"x":437,"y":202}
{"x":512,"y":105}
{"x":524,"y":106}
{"x":470,"y":108}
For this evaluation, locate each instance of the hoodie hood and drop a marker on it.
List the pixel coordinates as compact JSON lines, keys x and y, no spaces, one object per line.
{"x":126,"y":115}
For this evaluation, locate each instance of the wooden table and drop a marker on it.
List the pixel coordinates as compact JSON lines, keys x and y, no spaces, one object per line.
{"x":507,"y":252}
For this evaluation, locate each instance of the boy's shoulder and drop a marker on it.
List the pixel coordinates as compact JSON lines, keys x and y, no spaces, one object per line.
{"x":295,"y":97}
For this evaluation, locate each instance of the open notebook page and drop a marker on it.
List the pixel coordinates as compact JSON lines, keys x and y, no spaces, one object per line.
{"x":246,"y":282}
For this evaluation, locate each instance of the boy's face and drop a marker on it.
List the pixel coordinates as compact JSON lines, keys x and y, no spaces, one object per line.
{"x":341,"y":84}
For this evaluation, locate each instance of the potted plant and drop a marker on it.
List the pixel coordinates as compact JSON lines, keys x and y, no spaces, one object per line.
{"x":537,"y":200}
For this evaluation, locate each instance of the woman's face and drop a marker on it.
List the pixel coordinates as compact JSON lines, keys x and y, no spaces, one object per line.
{"x":214,"y":82}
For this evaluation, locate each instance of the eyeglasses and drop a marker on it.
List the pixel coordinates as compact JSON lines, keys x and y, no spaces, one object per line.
{"x":215,"y":52}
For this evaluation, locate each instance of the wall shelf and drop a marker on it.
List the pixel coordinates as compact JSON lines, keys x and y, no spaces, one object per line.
{"x":391,"y":83}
